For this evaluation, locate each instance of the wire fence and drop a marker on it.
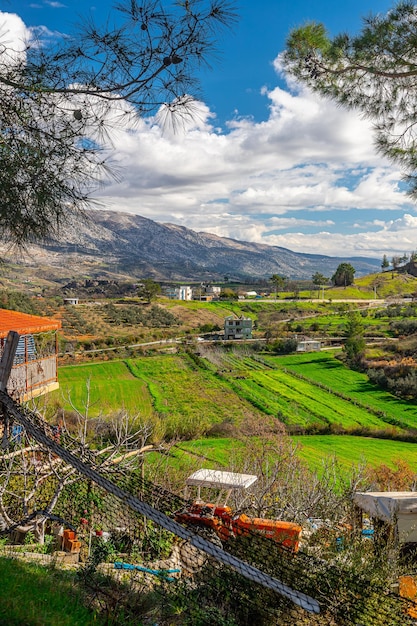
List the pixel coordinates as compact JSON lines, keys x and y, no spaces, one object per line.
{"x":120,"y":524}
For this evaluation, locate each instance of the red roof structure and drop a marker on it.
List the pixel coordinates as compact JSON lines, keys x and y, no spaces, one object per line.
{"x":25,"y":324}
{"x":35,"y":366}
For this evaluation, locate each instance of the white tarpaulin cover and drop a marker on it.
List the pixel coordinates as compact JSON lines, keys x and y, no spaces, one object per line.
{"x":221,"y":480}
{"x":387,"y":505}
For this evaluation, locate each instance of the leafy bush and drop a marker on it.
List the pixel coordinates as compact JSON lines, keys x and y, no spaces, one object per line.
{"x":155,"y":317}
{"x":123,"y":315}
{"x":377,"y":377}
{"x":158,"y":317}
{"x":399,"y":378}
{"x":404,"y":327}
{"x":284,"y":346}
{"x":209,"y":328}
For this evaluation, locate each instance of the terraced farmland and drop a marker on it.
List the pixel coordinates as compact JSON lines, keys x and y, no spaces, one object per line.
{"x":282,"y":386}
{"x":185,"y":399}
{"x":323,"y":369}
{"x":189,"y":398}
{"x":300,"y":402}
{"x":300,"y":390}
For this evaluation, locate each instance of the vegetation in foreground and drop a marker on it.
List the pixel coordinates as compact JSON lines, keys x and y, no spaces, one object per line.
{"x":246,"y":394}
{"x":41,"y":596}
{"x":357,"y":574}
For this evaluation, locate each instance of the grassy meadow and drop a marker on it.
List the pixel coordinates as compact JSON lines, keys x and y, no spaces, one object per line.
{"x":36,"y":595}
{"x":184,"y":399}
{"x":105,"y":388}
{"x":354,"y":451}
{"x":315,"y":450}
{"x":323,"y":369}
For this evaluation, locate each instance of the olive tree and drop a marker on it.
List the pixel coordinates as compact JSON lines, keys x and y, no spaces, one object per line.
{"x":33,"y":480}
{"x":320,"y":281}
{"x":278,"y":282}
{"x":354,"y":344}
{"x":148,"y":289}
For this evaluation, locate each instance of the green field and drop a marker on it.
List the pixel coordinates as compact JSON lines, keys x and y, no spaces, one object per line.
{"x":354,"y":451}
{"x":298,"y":390}
{"x":313,"y":392}
{"x":186,"y":400}
{"x":112,"y":387}
{"x":334,"y":324}
{"x":324,"y":369}
{"x":315,"y":450}
{"x":35,"y":595}
{"x":298,"y":402}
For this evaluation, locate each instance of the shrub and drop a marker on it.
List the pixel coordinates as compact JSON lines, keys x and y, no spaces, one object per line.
{"x":17,"y":301}
{"x":400,"y":378}
{"x":284,"y":346}
{"x":404,"y":327}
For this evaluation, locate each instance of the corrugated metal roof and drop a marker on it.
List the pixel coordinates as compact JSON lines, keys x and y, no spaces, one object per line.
{"x":25,"y":324}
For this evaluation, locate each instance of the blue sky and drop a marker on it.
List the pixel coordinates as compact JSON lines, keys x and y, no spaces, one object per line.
{"x":267,"y":161}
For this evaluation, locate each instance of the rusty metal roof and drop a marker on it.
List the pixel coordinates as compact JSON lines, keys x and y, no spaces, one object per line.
{"x":25,"y":324}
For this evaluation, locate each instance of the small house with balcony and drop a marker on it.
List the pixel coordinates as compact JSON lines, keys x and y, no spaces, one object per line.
{"x":237,"y":327}
{"x":35,"y":366}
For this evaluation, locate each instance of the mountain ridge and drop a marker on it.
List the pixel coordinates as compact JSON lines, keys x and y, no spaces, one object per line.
{"x":164,"y":251}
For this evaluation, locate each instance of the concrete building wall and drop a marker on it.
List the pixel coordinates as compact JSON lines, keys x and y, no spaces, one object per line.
{"x":237,"y":328}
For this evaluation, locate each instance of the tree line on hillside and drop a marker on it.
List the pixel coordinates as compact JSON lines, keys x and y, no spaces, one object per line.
{"x":342,"y":277}
{"x":398,"y":261}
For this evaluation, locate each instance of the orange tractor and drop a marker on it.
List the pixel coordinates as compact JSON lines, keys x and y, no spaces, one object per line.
{"x":218,"y":519}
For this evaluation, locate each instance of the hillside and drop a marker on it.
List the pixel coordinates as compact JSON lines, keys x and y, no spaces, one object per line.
{"x":208,"y":401}
{"x":117,"y":243}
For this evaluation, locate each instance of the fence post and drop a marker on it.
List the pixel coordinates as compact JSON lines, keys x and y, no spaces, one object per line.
{"x":6,"y":362}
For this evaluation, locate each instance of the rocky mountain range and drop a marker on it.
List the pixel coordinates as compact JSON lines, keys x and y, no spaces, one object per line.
{"x":130,"y":244}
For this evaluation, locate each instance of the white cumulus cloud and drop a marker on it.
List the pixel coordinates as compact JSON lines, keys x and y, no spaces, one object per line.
{"x":302,"y":178}
{"x":309,"y":156}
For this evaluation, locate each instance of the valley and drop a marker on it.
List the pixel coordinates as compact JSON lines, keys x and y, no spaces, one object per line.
{"x":191,"y":390}
{"x":150,"y":393}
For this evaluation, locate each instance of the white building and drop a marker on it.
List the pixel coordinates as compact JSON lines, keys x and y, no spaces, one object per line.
{"x":237,"y":327}
{"x":184,"y":292}
{"x":309,"y":345}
